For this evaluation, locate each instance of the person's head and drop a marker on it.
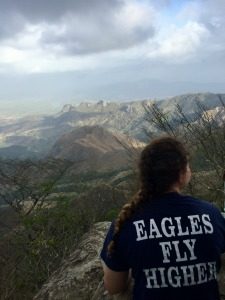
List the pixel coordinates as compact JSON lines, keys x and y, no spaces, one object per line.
{"x":163,"y":166}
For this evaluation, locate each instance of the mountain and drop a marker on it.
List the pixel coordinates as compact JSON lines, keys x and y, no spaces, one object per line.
{"x":39,"y":133}
{"x":17,"y":152}
{"x":190,"y":102}
{"x":95,"y":148}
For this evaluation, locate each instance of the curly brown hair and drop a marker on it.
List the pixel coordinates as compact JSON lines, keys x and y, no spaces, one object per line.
{"x":161,"y":163}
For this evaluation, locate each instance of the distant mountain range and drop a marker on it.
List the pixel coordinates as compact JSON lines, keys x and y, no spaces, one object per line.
{"x":37,"y":136}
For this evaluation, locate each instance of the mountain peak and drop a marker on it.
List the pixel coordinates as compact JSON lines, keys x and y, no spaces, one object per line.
{"x":67,"y":108}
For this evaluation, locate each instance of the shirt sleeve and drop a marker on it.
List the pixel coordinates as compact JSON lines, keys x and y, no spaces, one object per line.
{"x":220,"y":221}
{"x":115,"y":261}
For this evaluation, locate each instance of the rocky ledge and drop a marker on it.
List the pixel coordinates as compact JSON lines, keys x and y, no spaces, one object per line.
{"x":80,"y":277}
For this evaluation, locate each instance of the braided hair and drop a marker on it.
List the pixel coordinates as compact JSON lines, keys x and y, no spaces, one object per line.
{"x":161,"y":163}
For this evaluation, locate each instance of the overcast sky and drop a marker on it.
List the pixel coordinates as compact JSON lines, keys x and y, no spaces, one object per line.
{"x":55,"y":52}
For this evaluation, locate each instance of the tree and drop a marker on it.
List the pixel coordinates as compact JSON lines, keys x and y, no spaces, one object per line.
{"x":31,"y":252}
{"x":49,"y":227}
{"x":204,"y":134}
{"x":26,"y":184}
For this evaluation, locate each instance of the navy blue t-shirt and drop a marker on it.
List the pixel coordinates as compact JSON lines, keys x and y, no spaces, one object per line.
{"x":172,"y":246}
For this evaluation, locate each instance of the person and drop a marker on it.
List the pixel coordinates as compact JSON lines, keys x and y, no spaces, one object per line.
{"x":169,"y":243}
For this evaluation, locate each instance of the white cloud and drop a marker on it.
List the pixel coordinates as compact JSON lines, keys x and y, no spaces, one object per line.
{"x":179,"y":43}
{"x":10,"y":55}
{"x":25,"y":55}
{"x":135,"y":14}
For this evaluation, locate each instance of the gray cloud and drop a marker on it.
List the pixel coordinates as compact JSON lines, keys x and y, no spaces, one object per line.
{"x":10,"y":24}
{"x":95,"y":34}
{"x":89,"y":26}
{"x":51,"y":10}
{"x":14,"y":14}
{"x":212,"y":16}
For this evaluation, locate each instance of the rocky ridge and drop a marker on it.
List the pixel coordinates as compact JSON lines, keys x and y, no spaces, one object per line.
{"x":39,"y":133}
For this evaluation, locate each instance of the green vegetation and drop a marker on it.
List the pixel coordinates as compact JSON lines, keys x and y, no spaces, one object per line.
{"x":79,"y":183}
{"x":34,"y":249}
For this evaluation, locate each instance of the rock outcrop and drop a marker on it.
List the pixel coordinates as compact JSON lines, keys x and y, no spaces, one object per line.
{"x":80,"y":276}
